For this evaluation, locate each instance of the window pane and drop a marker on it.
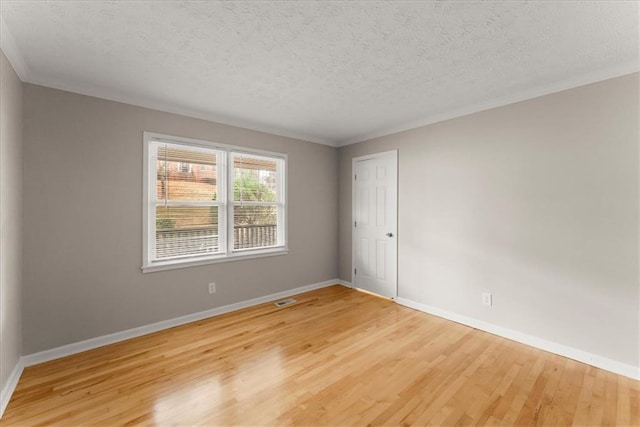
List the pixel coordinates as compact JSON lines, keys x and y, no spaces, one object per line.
{"x":186,"y":174}
{"x":255,"y":178}
{"x":186,"y":230}
{"x":255,"y":226}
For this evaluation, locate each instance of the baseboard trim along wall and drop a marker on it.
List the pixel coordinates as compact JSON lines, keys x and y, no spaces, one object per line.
{"x":607,"y":364}
{"x":10,"y":386}
{"x":78,"y":347}
{"x":344,"y":283}
{"x":626,"y":370}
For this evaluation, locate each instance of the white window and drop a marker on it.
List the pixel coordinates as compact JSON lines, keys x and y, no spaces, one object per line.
{"x":234,"y":211}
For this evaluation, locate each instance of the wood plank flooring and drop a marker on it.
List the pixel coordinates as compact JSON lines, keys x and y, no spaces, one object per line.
{"x":336,"y":357}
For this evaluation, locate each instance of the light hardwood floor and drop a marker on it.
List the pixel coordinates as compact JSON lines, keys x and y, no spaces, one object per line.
{"x":336,"y":357}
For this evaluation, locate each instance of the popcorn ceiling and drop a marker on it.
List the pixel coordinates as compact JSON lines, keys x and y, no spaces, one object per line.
{"x":324,"y":71}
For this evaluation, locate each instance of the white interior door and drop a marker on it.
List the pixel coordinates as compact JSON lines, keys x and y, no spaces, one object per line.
{"x":375,"y":223}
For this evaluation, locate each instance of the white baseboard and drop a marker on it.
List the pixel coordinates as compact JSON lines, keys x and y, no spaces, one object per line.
{"x":77,"y":347}
{"x":10,"y":386}
{"x":344,"y":283}
{"x":601,"y":362}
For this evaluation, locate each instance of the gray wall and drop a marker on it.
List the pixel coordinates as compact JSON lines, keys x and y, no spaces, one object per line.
{"x":83,"y":221}
{"x":536,"y":202}
{"x":10,"y":219}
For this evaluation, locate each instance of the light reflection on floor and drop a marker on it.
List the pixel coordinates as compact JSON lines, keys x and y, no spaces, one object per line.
{"x":194,"y":402}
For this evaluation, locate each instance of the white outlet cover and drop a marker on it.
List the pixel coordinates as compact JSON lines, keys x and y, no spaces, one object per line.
{"x":486,"y":298}
{"x":212,"y":287}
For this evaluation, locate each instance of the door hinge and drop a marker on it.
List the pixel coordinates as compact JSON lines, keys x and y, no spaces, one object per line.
{"x":355,"y":271}
{"x":355,"y":223}
{"x":355,"y":177}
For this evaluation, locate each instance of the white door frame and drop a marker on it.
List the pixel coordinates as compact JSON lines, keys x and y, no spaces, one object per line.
{"x":354,"y":160}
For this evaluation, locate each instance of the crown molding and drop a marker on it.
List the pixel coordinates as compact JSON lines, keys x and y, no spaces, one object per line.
{"x":582,"y":80}
{"x":10,"y":49}
{"x":108,"y":94}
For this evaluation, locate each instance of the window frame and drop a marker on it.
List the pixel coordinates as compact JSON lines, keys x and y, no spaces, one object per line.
{"x":153,"y":202}
{"x":232,"y":203}
{"x":225,"y":183}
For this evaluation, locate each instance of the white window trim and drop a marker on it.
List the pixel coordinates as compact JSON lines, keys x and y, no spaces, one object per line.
{"x":230,"y":254}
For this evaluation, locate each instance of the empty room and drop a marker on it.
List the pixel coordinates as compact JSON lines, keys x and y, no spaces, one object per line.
{"x":260,"y":213}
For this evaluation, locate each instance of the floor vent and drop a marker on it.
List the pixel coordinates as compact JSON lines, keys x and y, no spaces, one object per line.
{"x":284,"y":302}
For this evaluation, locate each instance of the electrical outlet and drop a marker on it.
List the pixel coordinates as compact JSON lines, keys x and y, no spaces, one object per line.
{"x":486,"y":299}
{"x":212,"y":287}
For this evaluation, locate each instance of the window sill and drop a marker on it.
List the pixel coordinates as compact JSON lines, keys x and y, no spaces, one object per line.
{"x":238,"y":256}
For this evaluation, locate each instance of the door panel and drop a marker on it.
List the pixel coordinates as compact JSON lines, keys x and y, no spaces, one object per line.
{"x":375,"y":224}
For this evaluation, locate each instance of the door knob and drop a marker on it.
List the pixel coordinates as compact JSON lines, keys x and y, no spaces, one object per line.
{"x":389,"y":234}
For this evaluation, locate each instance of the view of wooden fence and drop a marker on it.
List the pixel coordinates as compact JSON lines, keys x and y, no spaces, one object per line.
{"x":203,"y":240}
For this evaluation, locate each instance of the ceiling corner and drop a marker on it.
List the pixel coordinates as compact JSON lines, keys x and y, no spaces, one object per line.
{"x":615,"y":71}
{"x":10,"y":49}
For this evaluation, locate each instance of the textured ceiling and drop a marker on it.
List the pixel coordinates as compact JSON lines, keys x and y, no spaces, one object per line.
{"x":330,"y":72}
